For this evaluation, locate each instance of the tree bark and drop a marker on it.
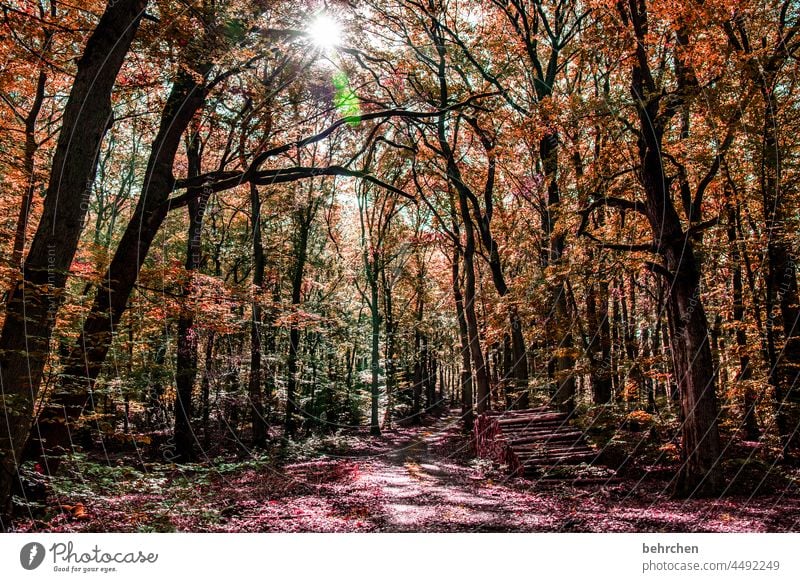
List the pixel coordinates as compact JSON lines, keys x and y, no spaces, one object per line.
{"x":37,"y":296}
{"x":85,"y":361}
{"x":467,"y":410}
{"x":700,"y":473}
{"x":257,"y":420}
{"x":781,"y":283}
{"x":301,"y":254}
{"x":186,"y":357}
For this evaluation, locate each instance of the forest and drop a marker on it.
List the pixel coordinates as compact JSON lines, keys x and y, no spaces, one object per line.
{"x":399,"y":265}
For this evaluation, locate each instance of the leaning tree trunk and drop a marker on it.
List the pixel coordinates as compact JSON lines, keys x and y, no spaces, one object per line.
{"x":85,"y":361}
{"x":37,"y":296}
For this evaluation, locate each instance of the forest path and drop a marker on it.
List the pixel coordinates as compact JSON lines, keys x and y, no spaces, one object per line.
{"x":410,"y":479}
{"x":422,"y":479}
{"x":423,"y":484}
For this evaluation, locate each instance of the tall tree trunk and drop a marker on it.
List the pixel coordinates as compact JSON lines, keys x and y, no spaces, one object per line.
{"x":465,"y":380}
{"x":375,"y":355}
{"x":28,"y":165}
{"x":419,"y":360}
{"x":781,"y":284}
{"x":600,"y":342}
{"x":481,"y":377}
{"x":257,"y":420}
{"x":389,"y":348}
{"x":463,"y":193}
{"x":205,"y":386}
{"x":37,"y":296}
{"x":700,"y":473}
{"x":85,"y":361}
{"x":750,"y":420}
{"x":186,"y":357}
{"x":564,"y":360}
{"x":301,"y":254}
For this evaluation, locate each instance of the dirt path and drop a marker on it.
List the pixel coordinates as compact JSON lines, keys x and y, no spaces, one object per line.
{"x":419,"y":486}
{"x":420,"y":480}
{"x":409,"y":480}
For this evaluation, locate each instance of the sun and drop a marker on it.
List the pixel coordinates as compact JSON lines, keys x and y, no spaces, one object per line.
{"x":325,"y":32}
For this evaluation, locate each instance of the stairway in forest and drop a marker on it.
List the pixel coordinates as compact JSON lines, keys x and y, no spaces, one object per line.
{"x":539,"y":443}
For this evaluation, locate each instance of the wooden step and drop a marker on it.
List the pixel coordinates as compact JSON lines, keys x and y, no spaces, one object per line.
{"x":537,"y":430}
{"x":533,"y":418}
{"x":538,"y":442}
{"x":552,"y":426}
{"x":565,"y":454}
{"x":547,"y":437}
{"x":564,"y":457}
{"x":560,"y":462}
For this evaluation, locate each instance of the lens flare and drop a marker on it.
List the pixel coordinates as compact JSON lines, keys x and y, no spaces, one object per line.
{"x":325,"y":32}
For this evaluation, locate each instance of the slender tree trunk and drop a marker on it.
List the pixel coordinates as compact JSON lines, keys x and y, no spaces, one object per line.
{"x":781,"y":284}
{"x":467,"y":411}
{"x":37,"y":296}
{"x":600,"y":343}
{"x":750,"y":421}
{"x":375,"y":355}
{"x":481,"y":377}
{"x":186,"y":358}
{"x":419,"y":357}
{"x":301,"y":254}
{"x":454,"y":178}
{"x":28,"y":164}
{"x":389,"y":349}
{"x":257,"y":420}
{"x":205,"y":386}
{"x":563,"y":360}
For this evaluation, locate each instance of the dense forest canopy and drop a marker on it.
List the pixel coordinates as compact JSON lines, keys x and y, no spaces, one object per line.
{"x":240,"y":221}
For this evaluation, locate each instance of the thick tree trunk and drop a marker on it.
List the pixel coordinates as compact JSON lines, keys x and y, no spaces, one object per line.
{"x":700,"y":473}
{"x":85,"y":361}
{"x":35,"y":300}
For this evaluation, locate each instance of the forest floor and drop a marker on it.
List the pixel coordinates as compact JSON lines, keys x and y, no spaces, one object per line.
{"x":411,"y":479}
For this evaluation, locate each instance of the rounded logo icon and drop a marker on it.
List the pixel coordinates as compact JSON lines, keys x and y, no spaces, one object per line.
{"x":31,"y":555}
